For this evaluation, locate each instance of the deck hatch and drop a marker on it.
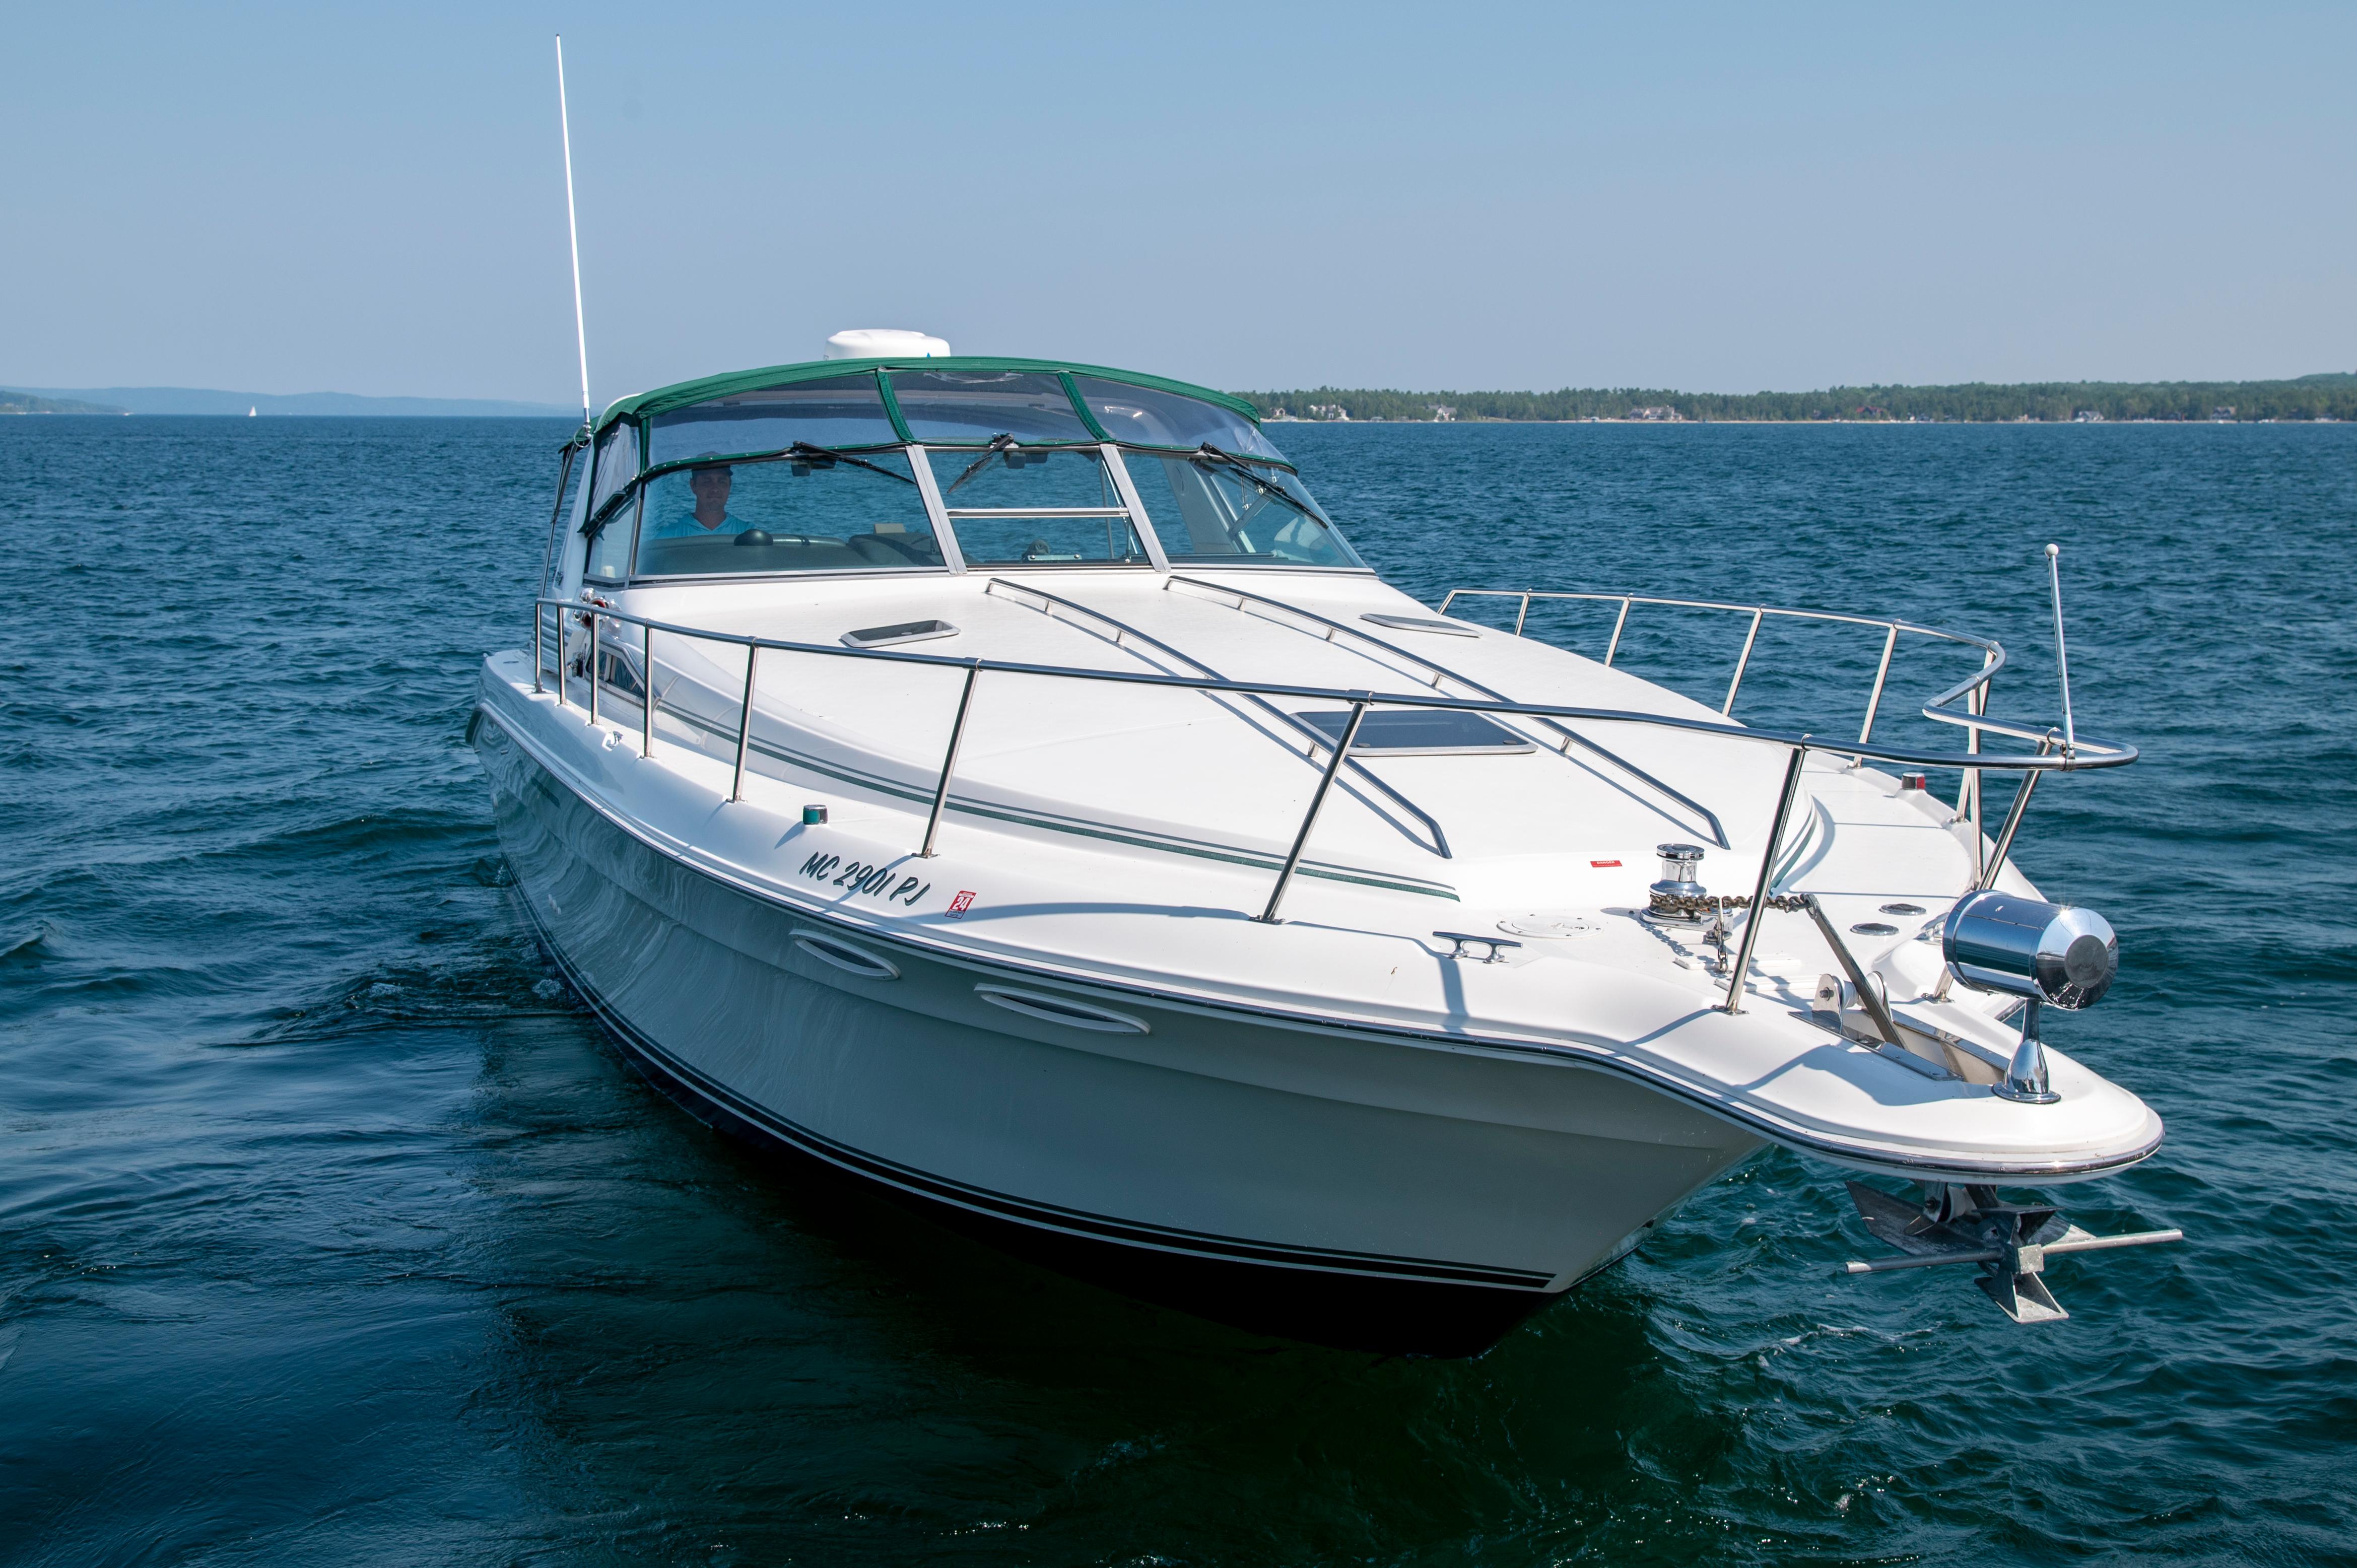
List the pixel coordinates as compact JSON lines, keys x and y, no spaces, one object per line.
{"x":1406,"y":732}
{"x":898,"y":631}
{"x":1422,"y":623}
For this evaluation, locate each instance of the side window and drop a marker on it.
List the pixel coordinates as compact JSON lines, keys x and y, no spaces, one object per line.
{"x":807,"y":514}
{"x":574,"y":467}
{"x":618,"y":463}
{"x":610,"y":552}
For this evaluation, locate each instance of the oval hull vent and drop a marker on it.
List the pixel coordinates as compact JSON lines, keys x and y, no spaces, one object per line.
{"x":844,"y":956}
{"x":1064,"y":1010}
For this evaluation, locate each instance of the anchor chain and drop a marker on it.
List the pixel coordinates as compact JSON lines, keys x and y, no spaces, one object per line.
{"x":1691,"y":906}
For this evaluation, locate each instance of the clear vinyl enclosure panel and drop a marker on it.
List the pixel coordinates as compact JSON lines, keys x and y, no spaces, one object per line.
{"x":816,"y":472}
{"x":977,"y":407}
{"x":1142,"y":416}
{"x":836,"y":412}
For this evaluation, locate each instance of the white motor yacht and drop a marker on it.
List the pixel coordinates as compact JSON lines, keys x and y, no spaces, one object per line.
{"x":999,"y":781}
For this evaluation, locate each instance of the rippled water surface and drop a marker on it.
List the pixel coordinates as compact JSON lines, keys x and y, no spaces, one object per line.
{"x":333,"y":1231}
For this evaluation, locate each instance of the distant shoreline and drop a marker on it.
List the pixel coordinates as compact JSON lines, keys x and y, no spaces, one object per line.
{"x":2328,"y":398}
{"x":1798,"y":424}
{"x":268,"y":406}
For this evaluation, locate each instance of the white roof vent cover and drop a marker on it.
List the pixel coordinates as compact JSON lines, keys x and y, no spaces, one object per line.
{"x":884,"y":343}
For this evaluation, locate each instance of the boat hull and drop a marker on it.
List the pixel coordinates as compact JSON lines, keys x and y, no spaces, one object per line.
{"x":1175,"y":1163}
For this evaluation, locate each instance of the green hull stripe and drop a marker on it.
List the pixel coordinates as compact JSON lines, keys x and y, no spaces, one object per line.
{"x":1077,"y":829}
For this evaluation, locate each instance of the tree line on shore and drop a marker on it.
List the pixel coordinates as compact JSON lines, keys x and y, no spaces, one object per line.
{"x":2333,"y":396}
{"x":26,"y":403}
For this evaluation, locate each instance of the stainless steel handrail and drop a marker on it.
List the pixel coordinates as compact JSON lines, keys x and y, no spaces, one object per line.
{"x":2089,"y":753}
{"x":949,"y":760}
{"x":1760,"y":890}
{"x":1318,"y":739}
{"x":2093,"y":753}
{"x":1441,"y":671}
{"x":1318,"y":797}
{"x":1993,"y":652}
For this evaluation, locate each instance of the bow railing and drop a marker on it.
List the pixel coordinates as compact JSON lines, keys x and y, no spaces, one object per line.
{"x":587,"y":621}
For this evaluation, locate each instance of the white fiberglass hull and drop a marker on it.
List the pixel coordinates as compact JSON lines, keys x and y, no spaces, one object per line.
{"x":1360,"y":1123}
{"x":1320,"y":1182}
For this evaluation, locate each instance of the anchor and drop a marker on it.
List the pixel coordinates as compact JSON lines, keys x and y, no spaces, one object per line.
{"x":2011,"y":1242}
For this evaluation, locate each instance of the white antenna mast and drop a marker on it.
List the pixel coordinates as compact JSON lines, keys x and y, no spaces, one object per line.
{"x":572,"y":229}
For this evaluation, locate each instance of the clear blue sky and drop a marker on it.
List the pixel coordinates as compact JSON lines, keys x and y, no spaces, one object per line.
{"x":1704,"y":196}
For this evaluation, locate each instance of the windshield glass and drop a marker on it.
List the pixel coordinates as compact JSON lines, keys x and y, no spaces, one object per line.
{"x":1204,"y":509}
{"x":1018,"y":485}
{"x":1166,"y":419}
{"x":840,"y":410}
{"x":972,"y":406}
{"x":810,"y":514}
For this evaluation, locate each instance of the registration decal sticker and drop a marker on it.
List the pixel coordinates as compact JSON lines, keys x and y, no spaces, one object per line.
{"x":960,"y":904}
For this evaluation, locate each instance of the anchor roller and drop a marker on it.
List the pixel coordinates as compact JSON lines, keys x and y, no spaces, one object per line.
{"x":2011,"y":1242}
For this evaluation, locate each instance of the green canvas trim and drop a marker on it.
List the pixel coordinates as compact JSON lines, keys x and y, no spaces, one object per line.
{"x":892,"y":409}
{"x":662,"y":400}
{"x":1088,"y":415}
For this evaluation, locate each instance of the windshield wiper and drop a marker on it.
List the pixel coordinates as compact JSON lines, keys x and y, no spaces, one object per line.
{"x":1237,"y":459}
{"x":1002,"y":443}
{"x":819,"y":455}
{"x":998,"y":444}
{"x":1270,"y":489}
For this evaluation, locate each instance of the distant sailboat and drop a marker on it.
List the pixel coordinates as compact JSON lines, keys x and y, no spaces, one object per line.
{"x":251,"y":412}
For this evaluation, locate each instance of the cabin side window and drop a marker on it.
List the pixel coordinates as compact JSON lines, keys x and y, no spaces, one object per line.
{"x":571,"y":486}
{"x":609,"y":547}
{"x":816,"y":512}
{"x":618,"y":463}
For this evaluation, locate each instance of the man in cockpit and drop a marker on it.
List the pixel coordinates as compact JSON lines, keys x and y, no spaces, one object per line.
{"x":710,"y":486}
{"x":707,"y":490}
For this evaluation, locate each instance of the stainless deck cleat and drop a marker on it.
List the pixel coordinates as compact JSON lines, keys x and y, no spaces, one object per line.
{"x":1967,"y":1225}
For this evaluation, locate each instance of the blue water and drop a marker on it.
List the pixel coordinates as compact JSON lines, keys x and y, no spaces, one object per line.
{"x":333,"y":1231}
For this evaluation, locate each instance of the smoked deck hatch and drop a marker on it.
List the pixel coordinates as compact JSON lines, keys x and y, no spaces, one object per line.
{"x":1414,"y":733}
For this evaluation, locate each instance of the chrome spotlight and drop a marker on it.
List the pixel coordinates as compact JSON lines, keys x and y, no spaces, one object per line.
{"x":2043,"y":952}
